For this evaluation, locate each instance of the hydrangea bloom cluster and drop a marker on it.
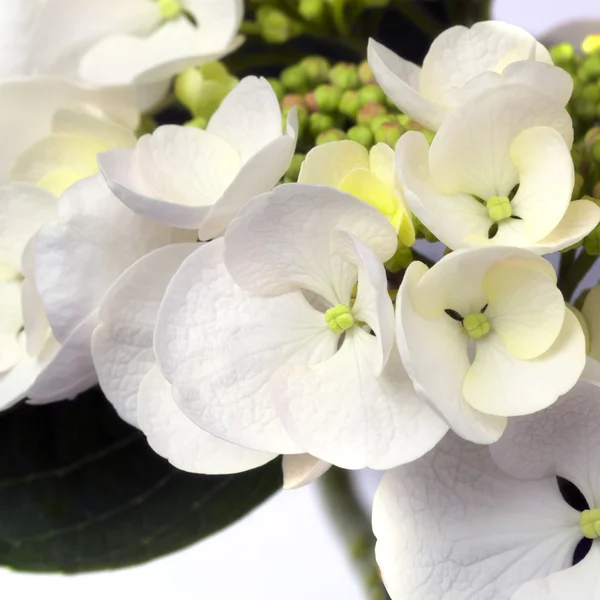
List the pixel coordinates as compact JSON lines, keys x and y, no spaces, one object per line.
{"x":233,"y":318}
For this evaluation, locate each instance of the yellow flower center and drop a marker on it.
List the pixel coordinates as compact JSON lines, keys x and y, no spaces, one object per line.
{"x":499,"y":208}
{"x":169,"y":9}
{"x":339,"y":319}
{"x":476,"y":325}
{"x":590,"y":523}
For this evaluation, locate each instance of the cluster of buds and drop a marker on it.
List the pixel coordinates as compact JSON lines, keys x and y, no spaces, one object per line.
{"x":338,"y":102}
{"x":584,"y":67}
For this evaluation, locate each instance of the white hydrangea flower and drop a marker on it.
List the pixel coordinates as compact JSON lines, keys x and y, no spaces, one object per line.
{"x":463,"y":62}
{"x":34,"y":109}
{"x":31,"y":359}
{"x":464,"y":187}
{"x":367,"y":174}
{"x":116,"y":42}
{"x":122,"y":349}
{"x":464,"y":523}
{"x":267,"y":345}
{"x":84,"y":243}
{"x":199,"y":179}
{"x":485,"y":335}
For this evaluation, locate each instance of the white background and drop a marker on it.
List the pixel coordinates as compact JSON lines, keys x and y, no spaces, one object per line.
{"x":285,"y":550}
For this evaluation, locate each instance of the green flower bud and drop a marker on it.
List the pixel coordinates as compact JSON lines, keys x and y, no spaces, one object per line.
{"x":591,"y":242}
{"x":311,"y":10}
{"x":275,"y":26}
{"x":590,"y":137}
{"x":371,"y":93}
{"x":401,"y":259}
{"x":577,"y":186}
{"x":596,"y":151}
{"x":377,"y":122}
{"x":294,"y":169}
{"x":361,"y":134}
{"x":365,"y":74}
{"x":389,"y":133}
{"x":331,"y":135}
{"x":319,"y":122}
{"x":327,"y":98}
{"x":591,"y":44}
{"x":277,"y":87}
{"x":316,"y":69}
{"x":345,"y":76}
{"x":349,"y":104}
{"x":369,"y":111}
{"x":404,"y":120}
{"x":562,"y":54}
{"x":590,"y":92}
{"x":199,"y":122}
{"x":429,"y":135}
{"x":294,"y":79}
{"x":591,"y":66}
{"x":596,"y":191}
{"x":201,"y":90}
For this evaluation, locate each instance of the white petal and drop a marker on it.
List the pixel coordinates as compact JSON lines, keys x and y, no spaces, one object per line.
{"x":453,"y":526}
{"x":500,"y":384}
{"x":329,"y":164}
{"x":249,"y":118}
{"x":217,"y":20}
{"x":172,"y":435}
{"x":546,"y":179}
{"x":95,"y":234}
{"x":470,"y":154}
{"x":17,"y":22}
{"x":25,"y":120}
{"x":581,"y":218}
{"x":547,"y":78}
{"x":339,"y":411}
{"x":302,"y":469}
{"x":15,"y":383}
{"x":580,"y":581}
{"x":65,"y":29}
{"x":459,"y":54}
{"x":297,"y":248}
{"x":11,"y":322}
{"x":219,"y":347}
{"x":434,"y":352}
{"x":557,"y":441}
{"x":399,"y":79}
{"x":525,"y":308}
{"x":25,"y":208}
{"x":122,"y":344}
{"x":457,"y":220}
{"x":70,"y":371}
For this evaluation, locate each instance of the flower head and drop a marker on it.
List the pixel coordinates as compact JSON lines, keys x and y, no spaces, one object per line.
{"x":466,"y":523}
{"x":194,"y":179}
{"x":462,"y":63}
{"x":485,"y":335}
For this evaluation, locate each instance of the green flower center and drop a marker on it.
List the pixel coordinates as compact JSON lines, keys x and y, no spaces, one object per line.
{"x":499,"y":208}
{"x":339,"y":319}
{"x":170,"y":9}
{"x":476,"y":325}
{"x":590,"y":523}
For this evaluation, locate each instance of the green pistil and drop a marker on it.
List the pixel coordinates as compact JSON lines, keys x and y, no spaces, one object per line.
{"x":339,"y":319}
{"x":169,"y":9}
{"x":499,"y":208}
{"x":476,"y":325}
{"x":590,"y":523}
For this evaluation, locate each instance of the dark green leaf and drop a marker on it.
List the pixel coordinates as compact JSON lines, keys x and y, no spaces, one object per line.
{"x":80,"y":490}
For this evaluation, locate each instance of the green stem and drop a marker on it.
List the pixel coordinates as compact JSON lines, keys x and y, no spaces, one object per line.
{"x":581,"y":265}
{"x":339,"y":17}
{"x":354,"y":527}
{"x":419,"y":17}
